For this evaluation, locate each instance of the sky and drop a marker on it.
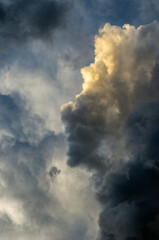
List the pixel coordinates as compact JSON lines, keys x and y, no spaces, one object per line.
{"x":79,"y":114}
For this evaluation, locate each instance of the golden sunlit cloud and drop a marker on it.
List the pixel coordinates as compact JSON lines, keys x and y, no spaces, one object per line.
{"x":118,"y":107}
{"x":121,"y":72}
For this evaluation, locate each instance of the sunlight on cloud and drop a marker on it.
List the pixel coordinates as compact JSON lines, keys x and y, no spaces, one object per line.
{"x":109,"y":127}
{"x":13,"y":209}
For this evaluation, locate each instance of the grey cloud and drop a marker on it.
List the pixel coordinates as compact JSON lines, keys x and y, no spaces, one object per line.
{"x":31,"y":205}
{"x":130,"y":194}
{"x":53,"y":173}
{"x":124,"y":75}
{"x":100,"y":110}
{"x":24,"y":156}
{"x":24,"y":20}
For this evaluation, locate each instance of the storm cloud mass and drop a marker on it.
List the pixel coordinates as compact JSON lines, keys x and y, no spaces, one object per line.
{"x":120,"y":144}
{"x":22,"y":20}
{"x":129,"y":193}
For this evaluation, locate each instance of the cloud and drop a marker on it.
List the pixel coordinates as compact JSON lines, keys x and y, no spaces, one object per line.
{"x":53,"y":173}
{"x":36,"y":80}
{"x":105,"y":138}
{"x":113,"y":84}
{"x":24,"y":154}
{"x":130,"y":194}
{"x":21,"y":20}
{"x":33,"y":205}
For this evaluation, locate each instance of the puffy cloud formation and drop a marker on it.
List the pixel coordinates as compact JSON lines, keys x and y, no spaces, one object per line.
{"x":123,"y":74}
{"x":120,"y":144}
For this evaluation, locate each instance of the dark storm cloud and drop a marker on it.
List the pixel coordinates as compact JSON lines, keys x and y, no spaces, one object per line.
{"x":121,"y":148}
{"x":93,"y":123}
{"x":22,"y":20}
{"x":85,"y":134}
{"x":130,"y":193}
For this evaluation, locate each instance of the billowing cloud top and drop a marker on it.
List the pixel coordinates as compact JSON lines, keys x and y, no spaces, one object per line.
{"x":104,"y":138}
{"x":122,"y":75}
